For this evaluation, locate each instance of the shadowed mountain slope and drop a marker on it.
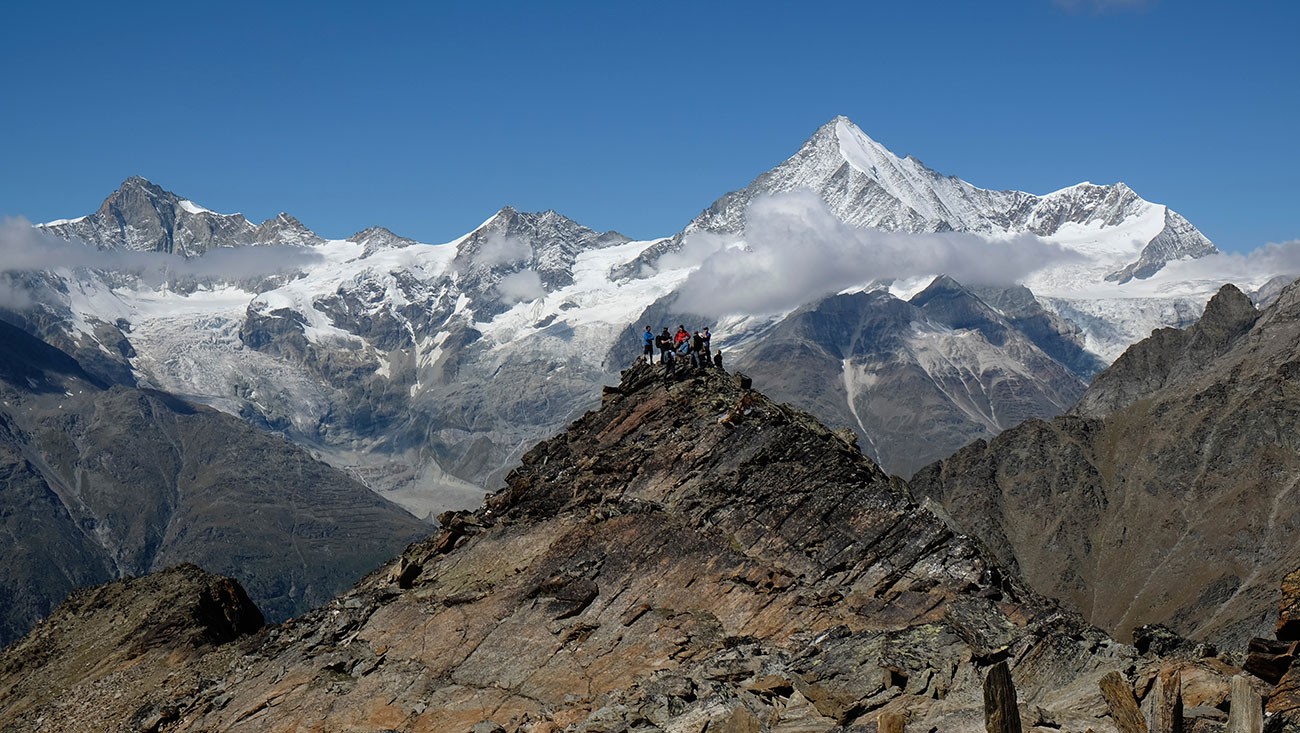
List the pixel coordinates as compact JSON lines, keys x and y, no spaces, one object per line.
{"x":102,"y":482}
{"x":1168,"y":495}
{"x":916,"y":379}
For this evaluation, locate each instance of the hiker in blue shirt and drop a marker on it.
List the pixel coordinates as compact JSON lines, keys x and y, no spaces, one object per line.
{"x":648,"y":353}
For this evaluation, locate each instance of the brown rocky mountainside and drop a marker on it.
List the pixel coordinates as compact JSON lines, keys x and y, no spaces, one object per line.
{"x":100,"y":482}
{"x":690,"y":556}
{"x":1169,"y":494}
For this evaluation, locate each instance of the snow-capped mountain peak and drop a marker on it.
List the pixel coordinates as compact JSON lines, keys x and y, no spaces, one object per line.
{"x":866,"y":185}
{"x":143,"y":216}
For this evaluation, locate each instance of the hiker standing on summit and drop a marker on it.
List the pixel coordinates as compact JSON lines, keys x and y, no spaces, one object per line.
{"x":648,"y":352}
{"x":665,"y":344}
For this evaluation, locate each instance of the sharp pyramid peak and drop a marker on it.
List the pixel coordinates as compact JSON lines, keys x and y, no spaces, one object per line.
{"x":372,"y":232}
{"x":140,"y":183}
{"x":855,"y":147}
{"x":942,"y":285}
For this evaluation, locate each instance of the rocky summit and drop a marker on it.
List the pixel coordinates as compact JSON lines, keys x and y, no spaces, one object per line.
{"x":691,"y":556}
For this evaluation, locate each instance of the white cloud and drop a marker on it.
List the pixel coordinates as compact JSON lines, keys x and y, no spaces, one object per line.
{"x":520,"y":286}
{"x":795,"y":251}
{"x":1255,"y":266}
{"x":13,"y":295}
{"x":500,"y":249}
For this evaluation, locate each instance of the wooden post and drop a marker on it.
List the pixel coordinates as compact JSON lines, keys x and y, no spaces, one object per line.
{"x":1246,"y":715}
{"x":1001,"y":715}
{"x":891,"y":723}
{"x":1122,"y":704}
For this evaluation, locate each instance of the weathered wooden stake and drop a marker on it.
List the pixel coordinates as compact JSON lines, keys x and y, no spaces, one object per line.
{"x":1246,"y":715}
{"x":1122,"y":704}
{"x":1001,"y":715}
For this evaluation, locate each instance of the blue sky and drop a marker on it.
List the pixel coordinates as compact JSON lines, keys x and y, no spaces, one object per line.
{"x":428,"y":117}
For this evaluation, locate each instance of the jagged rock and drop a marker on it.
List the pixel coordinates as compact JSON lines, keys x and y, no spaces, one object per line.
{"x":1268,"y":659}
{"x":1131,"y":509}
{"x":1164,"y":706}
{"x":1288,"y":622}
{"x":1001,"y":714}
{"x":1123,"y":707}
{"x":650,"y":568}
{"x":122,"y":650}
{"x":1170,"y":354}
{"x":1159,"y":640}
{"x":1247,"y":712}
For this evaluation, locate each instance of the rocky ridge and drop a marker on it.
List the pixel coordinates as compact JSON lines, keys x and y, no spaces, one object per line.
{"x":691,"y":556}
{"x":144,"y":217}
{"x":380,"y":355}
{"x":1166,"y":495}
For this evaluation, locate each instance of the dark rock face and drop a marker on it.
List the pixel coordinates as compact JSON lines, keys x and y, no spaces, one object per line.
{"x":690,"y":555}
{"x":1167,"y":496}
{"x":100,"y":482}
{"x":1057,"y":337}
{"x":1170,"y":354}
{"x":916,"y":380}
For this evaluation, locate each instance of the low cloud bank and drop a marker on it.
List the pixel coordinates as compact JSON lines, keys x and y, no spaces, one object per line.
{"x":795,"y":251}
{"x":1244,"y":269}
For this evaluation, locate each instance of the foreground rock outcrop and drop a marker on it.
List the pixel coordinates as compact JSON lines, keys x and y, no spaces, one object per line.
{"x":691,"y":556}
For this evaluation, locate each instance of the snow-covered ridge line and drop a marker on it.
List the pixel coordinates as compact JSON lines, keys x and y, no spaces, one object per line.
{"x":413,"y":363}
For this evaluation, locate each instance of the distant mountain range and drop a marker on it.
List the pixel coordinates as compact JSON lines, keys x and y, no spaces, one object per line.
{"x":688,"y":554}
{"x":425,"y":370}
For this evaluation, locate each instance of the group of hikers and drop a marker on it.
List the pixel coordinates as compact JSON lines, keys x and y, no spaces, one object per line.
{"x":695,"y":347}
